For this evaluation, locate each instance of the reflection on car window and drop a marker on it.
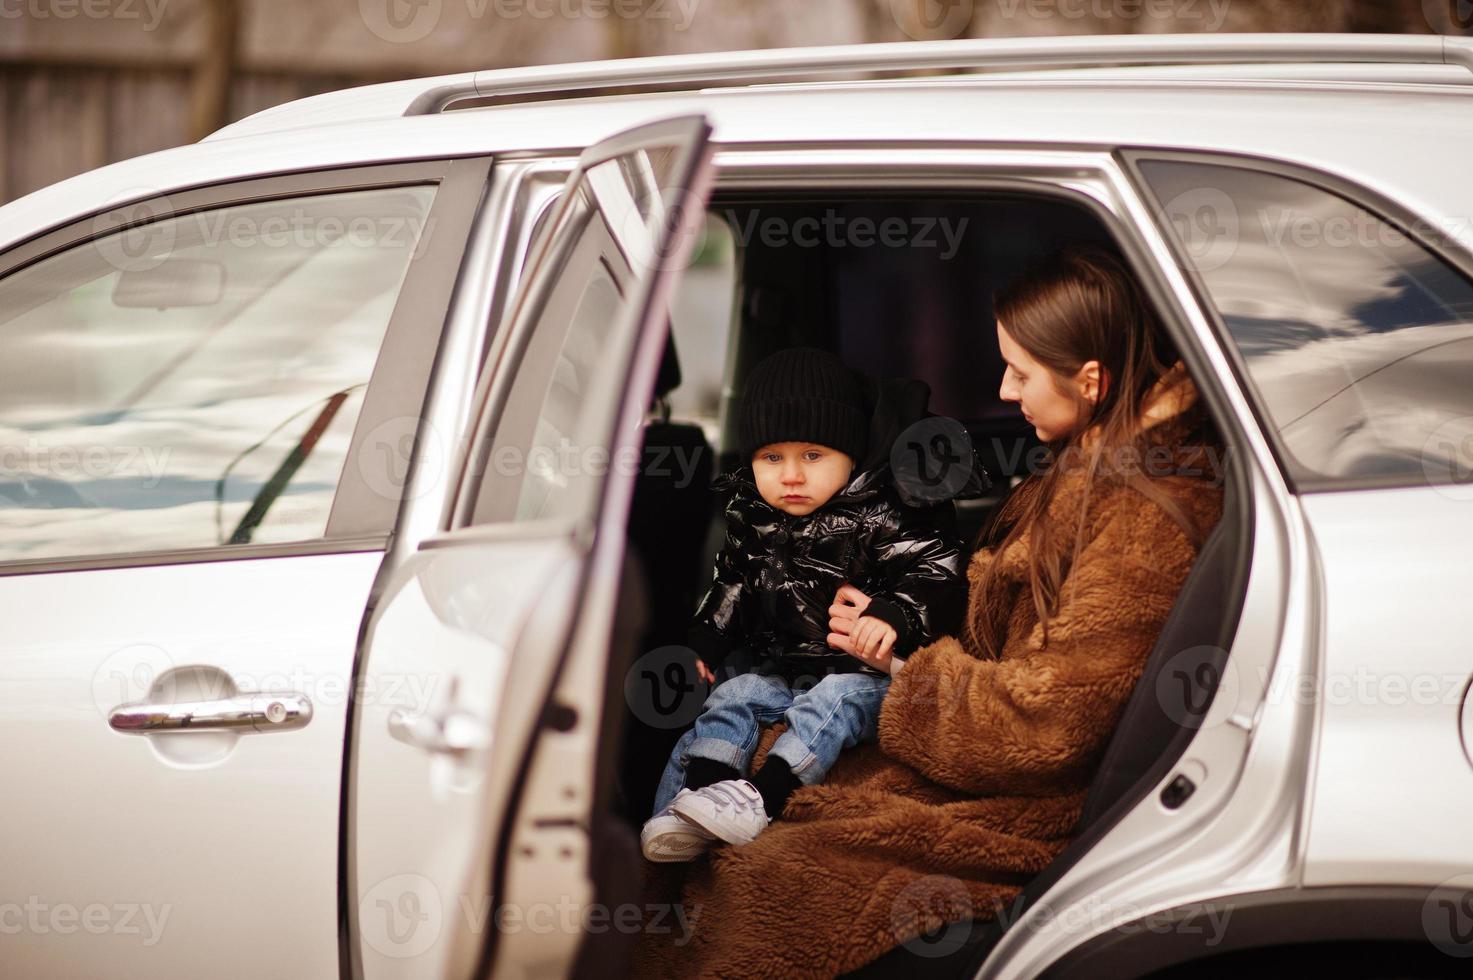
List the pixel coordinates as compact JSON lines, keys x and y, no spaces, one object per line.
{"x":194,"y":381}
{"x":1358,"y":339}
{"x":553,"y":443}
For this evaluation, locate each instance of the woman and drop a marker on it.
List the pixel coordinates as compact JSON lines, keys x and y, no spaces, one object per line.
{"x":988,"y":739}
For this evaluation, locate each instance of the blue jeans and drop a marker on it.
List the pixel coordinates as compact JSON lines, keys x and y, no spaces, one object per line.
{"x":839,"y":711}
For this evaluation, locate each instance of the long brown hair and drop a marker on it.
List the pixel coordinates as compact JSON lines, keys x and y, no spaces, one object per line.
{"x":1073,"y":306}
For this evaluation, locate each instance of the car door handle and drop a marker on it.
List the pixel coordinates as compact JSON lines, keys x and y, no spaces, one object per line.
{"x":456,"y":733}
{"x":258,"y":712}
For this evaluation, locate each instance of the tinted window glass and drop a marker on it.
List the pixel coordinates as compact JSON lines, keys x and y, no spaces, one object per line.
{"x":1358,"y":339}
{"x":553,"y":443}
{"x":194,"y":381}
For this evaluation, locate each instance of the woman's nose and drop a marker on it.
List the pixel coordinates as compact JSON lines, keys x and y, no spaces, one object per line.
{"x":1007,"y":391}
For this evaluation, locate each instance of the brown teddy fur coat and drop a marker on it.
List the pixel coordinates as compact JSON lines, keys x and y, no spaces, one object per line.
{"x":981,"y":766}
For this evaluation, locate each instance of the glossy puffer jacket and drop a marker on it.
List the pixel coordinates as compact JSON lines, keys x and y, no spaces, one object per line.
{"x":776,"y":574}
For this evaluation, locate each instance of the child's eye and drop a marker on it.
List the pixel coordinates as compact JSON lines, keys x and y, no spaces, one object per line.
{"x":813,"y":455}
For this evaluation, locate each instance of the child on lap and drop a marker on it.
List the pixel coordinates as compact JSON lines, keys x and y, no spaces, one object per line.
{"x":816,"y":506}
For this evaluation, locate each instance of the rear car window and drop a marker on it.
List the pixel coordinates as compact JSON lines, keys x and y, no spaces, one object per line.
{"x":1357,"y":338}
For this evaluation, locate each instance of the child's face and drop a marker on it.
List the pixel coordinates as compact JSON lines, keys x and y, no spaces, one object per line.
{"x":800,"y":477}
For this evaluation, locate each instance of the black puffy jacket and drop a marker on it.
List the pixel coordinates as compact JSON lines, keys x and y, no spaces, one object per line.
{"x":776,"y":574}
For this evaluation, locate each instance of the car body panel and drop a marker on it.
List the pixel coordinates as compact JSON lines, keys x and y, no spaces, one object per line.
{"x":1393,"y":780}
{"x":1410,"y":157}
{"x":188,"y":833}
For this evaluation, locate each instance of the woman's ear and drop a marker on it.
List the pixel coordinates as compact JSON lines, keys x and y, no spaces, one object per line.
{"x":1089,"y":380}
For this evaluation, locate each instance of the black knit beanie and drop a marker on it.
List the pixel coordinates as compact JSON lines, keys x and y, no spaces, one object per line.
{"x":803,"y":395}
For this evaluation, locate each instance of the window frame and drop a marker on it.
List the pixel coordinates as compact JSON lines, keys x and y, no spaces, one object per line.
{"x":360,"y":519}
{"x":1086,"y":175}
{"x":1381,"y":207}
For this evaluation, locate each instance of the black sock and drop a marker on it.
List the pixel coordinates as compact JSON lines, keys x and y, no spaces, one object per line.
{"x":701,"y":772}
{"x":776,"y":782}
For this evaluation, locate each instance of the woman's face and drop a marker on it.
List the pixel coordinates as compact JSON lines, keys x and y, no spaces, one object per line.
{"x":1053,"y":414}
{"x":800,"y":477}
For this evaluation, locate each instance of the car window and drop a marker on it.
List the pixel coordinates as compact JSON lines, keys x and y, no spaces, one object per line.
{"x":550,"y":450}
{"x":194,"y":381}
{"x":1358,"y":339}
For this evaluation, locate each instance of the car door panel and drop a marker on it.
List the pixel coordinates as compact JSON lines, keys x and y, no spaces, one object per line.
{"x":140,"y":855}
{"x":537,"y":571}
{"x":157,"y":840}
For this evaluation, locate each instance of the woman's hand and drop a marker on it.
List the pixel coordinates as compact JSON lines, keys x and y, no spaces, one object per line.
{"x":704,"y":671}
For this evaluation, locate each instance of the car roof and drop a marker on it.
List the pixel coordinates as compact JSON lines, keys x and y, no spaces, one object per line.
{"x":1389,"y":126}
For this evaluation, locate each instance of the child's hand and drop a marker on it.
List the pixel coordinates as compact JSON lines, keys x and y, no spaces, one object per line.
{"x":873,"y":639}
{"x":704,"y":671}
{"x":849,"y":605}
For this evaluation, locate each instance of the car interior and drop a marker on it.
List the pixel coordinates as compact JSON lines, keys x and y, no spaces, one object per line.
{"x":911,"y":310}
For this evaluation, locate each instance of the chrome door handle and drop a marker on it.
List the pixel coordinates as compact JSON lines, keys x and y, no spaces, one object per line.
{"x":255,"y":712}
{"x":456,"y":733}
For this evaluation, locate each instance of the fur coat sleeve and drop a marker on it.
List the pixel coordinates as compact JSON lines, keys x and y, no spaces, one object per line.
{"x":1033,"y":722}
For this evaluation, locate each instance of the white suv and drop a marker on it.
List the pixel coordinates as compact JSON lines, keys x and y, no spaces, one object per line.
{"x":370,"y":394}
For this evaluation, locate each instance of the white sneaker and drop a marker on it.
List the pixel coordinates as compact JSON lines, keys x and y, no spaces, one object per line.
{"x":667,"y":837}
{"x":731,"y":809}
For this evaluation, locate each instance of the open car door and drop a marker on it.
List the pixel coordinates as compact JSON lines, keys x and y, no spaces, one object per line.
{"x":481,"y":698}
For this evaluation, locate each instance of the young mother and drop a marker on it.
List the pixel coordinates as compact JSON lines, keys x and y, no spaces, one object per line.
{"x":988,"y":739}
